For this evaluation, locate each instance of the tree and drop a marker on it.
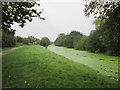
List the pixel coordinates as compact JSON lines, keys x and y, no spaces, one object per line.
{"x":25,"y":41}
{"x":103,"y":10}
{"x":94,"y":44}
{"x":32,"y":39}
{"x":110,"y":37}
{"x":8,"y":40}
{"x":45,"y":42}
{"x":80,"y":45}
{"x":60,"y":40}
{"x":72,"y":38}
{"x":17,"y":12}
{"x":110,"y":13}
{"x":76,"y":36}
{"x":68,"y":40}
{"x":37,"y":41}
{"x":19,"y":39}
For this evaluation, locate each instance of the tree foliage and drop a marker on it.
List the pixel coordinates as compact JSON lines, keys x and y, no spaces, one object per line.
{"x":110,"y":37}
{"x":93,"y":42}
{"x":110,"y":13}
{"x":103,"y":10}
{"x":8,"y":40}
{"x":19,"y":39}
{"x":76,"y":36}
{"x":81,"y":44}
{"x":28,"y":40}
{"x":45,"y":42}
{"x":68,"y":40}
{"x":60,"y":40}
{"x":18,"y":12}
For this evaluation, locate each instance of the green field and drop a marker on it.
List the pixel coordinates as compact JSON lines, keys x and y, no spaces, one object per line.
{"x":107,"y":65}
{"x":37,"y":67}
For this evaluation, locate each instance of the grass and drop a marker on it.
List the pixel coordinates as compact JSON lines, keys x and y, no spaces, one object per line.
{"x":37,"y":67}
{"x":107,"y":65}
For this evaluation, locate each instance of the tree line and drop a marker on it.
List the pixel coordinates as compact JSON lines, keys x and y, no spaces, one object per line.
{"x":106,"y":36}
{"x":9,"y":40}
{"x":101,"y":40}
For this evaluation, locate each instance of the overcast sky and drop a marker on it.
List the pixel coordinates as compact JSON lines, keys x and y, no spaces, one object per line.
{"x":61,"y":16}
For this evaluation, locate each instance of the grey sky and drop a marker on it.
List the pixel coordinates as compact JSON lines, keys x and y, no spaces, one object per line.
{"x":60,"y":17}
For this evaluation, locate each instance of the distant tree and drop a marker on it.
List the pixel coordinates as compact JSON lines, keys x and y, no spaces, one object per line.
{"x":61,"y":35}
{"x":81,"y":44}
{"x":72,"y":39}
{"x":68,"y":42}
{"x":45,"y":42}
{"x":25,"y":41}
{"x":60,"y":40}
{"x":37,"y":41}
{"x":76,"y":39}
{"x":32,"y":39}
{"x":28,"y":40}
{"x":19,"y":39}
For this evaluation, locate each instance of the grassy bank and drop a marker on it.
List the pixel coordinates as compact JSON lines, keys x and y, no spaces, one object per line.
{"x":107,"y":65}
{"x":37,"y":67}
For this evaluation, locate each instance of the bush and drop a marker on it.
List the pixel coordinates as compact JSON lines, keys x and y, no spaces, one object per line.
{"x":45,"y":42}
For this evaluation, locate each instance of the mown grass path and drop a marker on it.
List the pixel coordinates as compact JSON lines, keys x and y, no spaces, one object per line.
{"x":107,"y":65}
{"x":37,"y":67}
{"x":9,"y":50}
